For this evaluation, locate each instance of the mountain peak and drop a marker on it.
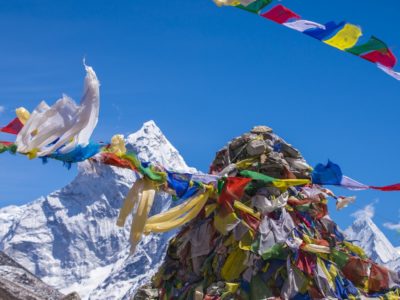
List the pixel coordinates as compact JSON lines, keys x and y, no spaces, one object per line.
{"x":152,"y":146}
{"x":150,"y":123}
{"x":69,"y":238}
{"x":364,"y":233}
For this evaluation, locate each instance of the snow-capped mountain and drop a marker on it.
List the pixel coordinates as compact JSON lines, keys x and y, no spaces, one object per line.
{"x":70,"y":238}
{"x":364,"y":233}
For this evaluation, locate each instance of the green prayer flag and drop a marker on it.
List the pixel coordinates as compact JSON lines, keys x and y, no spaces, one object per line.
{"x":277,"y":251}
{"x":255,"y":6}
{"x":259,"y":289}
{"x":146,"y":171}
{"x":257,"y":176}
{"x":220,"y":186}
{"x":373,"y":44}
{"x":340,"y":258}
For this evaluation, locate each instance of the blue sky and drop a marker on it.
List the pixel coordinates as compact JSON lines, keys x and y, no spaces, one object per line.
{"x":205,"y":75}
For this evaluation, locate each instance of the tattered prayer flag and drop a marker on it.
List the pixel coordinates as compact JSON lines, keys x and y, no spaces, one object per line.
{"x":373,"y":44}
{"x":255,"y":6}
{"x":378,"y":279}
{"x":14,"y":127}
{"x":345,"y":38}
{"x":280,"y":14}
{"x":356,"y":270}
{"x":233,"y":190}
{"x":384,"y":57}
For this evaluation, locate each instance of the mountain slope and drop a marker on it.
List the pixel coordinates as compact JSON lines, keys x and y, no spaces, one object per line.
{"x":17,"y":283}
{"x":69,"y":238}
{"x":364,"y":233}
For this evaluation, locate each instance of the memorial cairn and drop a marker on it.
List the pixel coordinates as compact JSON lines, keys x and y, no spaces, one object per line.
{"x":264,"y":238}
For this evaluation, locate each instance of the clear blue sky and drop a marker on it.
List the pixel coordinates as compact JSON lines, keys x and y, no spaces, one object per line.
{"x":206,"y":74}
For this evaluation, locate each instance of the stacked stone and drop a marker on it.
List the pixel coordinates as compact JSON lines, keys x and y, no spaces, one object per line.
{"x":282,"y":245}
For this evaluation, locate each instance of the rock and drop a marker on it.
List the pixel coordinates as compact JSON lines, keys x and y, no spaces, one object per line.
{"x":72,"y":296}
{"x":261,"y":129}
{"x":17,"y":283}
{"x":146,"y":293}
{"x":256,"y":147}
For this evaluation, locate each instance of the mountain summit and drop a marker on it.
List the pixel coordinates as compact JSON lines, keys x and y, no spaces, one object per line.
{"x":364,"y":233}
{"x":70,"y":238}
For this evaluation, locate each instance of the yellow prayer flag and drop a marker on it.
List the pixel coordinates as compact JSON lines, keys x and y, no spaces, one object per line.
{"x":345,"y":38}
{"x":234,"y":265}
{"x":285,"y":183}
{"x":22,"y":114}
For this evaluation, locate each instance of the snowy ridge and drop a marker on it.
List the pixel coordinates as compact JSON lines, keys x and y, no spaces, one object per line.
{"x":70,"y":238}
{"x":151,"y":145}
{"x":364,"y":233}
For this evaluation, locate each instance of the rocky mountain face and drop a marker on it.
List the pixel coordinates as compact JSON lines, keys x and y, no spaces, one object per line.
{"x":17,"y":283}
{"x":364,"y":233}
{"x":70,"y":238}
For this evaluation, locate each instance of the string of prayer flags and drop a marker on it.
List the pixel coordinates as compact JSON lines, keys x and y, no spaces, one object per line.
{"x":331,"y":174}
{"x":254,"y":6}
{"x":343,"y":35}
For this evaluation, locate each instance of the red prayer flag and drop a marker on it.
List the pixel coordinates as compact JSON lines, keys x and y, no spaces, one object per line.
{"x":250,"y":220}
{"x":280,"y":14}
{"x":388,"y":188}
{"x":14,"y":127}
{"x":111,"y":159}
{"x":384,"y":57}
{"x":232,"y":190}
{"x":356,"y":270}
{"x":378,"y":279}
{"x":7,"y":144}
{"x":306,"y":263}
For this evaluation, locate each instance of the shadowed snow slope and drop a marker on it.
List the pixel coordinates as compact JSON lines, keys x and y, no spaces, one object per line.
{"x":70,"y":238}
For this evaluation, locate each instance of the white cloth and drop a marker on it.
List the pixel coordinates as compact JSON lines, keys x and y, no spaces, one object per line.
{"x":303,"y":25}
{"x":65,"y":124}
{"x":352,"y":184}
{"x":293,"y":283}
{"x":394,"y":279}
{"x":343,"y":202}
{"x":275,"y":231}
{"x":325,"y":284}
{"x":200,"y":240}
{"x":389,"y":71}
{"x":265,"y":205}
{"x":294,"y":243}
